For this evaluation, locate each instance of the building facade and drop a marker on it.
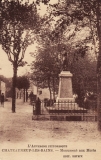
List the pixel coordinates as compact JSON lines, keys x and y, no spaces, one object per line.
{"x":2,"y":87}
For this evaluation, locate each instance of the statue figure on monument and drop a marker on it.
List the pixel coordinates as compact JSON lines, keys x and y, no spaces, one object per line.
{"x":65,"y":62}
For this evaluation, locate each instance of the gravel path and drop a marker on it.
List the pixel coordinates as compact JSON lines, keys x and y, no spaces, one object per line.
{"x":18,"y":130}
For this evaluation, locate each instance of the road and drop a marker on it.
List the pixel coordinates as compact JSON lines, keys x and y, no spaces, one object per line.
{"x":17,"y":130}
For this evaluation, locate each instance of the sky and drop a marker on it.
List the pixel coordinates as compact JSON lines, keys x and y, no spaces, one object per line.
{"x":5,"y":65}
{"x":6,"y":68}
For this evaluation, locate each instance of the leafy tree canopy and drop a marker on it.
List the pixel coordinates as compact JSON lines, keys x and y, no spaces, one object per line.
{"x":22,"y":82}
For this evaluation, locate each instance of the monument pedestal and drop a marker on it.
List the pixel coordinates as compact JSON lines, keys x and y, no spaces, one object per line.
{"x":65,"y":107}
{"x":65,"y":87}
{"x":65,"y":98}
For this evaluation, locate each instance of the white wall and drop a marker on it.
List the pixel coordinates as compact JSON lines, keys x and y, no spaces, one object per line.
{"x":45,"y":93}
{"x":2,"y":87}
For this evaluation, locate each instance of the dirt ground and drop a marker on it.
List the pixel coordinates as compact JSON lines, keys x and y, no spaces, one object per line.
{"x":19,"y":131}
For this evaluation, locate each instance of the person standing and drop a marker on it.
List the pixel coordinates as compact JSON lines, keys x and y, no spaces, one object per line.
{"x":31,"y":97}
{"x":2,"y":99}
{"x":38,"y":106}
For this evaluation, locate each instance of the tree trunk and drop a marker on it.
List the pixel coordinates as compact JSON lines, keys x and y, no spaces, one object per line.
{"x":99,"y":87}
{"x":24,"y":95}
{"x":98,"y":25}
{"x":99,"y":82}
{"x":53,"y":89}
{"x":99,"y":101}
{"x":49,"y":88}
{"x":14,"y":87}
{"x":50,"y":93}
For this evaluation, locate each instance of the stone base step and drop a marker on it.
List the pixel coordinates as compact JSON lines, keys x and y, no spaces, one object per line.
{"x":73,"y":118}
{"x":64,"y":117}
{"x":66,"y":111}
{"x":41,"y":117}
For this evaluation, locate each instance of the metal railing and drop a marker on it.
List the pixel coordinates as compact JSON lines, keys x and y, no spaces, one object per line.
{"x":67,"y":110}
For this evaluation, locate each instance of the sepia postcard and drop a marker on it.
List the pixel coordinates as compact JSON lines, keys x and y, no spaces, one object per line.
{"x":49,"y":52}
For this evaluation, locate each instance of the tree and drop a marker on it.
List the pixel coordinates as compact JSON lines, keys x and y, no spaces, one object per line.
{"x":84,"y":13}
{"x":53,"y":43}
{"x":84,"y":77}
{"x":23,"y":83}
{"x":93,"y":9}
{"x":45,"y":69}
{"x":18,"y":20}
{"x":9,"y":87}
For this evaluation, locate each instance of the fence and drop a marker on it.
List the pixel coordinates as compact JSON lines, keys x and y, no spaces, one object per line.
{"x":68,"y":111}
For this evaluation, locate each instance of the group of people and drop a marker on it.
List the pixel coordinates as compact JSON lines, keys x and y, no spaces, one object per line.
{"x":83,"y":99}
{"x":2,"y":99}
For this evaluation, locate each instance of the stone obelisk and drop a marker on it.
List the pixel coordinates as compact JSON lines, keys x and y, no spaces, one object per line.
{"x":65,"y":92}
